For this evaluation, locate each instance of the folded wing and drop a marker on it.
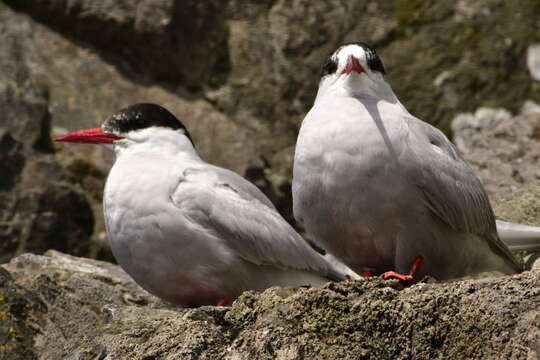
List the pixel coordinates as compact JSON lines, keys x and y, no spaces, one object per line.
{"x":237,"y":212}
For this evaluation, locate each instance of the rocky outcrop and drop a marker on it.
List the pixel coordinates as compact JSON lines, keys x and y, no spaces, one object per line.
{"x":503,"y":150}
{"x":173,"y":41}
{"x":58,"y":306}
{"x":39,"y":207}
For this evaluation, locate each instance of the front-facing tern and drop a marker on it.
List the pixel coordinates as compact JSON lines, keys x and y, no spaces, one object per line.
{"x":382,"y":190}
{"x":187,"y":231}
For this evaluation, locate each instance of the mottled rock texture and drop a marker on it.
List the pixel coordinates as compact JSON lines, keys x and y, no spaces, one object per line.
{"x":504,"y":151}
{"x":40,"y":208}
{"x":58,"y":306}
{"x":176,"y":41}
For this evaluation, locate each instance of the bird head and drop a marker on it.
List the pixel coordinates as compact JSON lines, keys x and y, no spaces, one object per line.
{"x":133,"y":124}
{"x":353,"y":68}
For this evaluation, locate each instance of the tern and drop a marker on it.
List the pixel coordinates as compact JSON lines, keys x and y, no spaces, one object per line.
{"x":384,"y":191}
{"x":189,"y":232}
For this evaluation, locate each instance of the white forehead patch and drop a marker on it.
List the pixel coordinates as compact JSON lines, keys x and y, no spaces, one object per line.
{"x":344,"y":52}
{"x":367,"y":57}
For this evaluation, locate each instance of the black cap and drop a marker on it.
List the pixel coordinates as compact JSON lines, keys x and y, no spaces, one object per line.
{"x":142,"y":116}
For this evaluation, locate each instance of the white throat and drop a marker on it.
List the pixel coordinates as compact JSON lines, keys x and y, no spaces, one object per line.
{"x":361,"y":86}
{"x":160,"y":140}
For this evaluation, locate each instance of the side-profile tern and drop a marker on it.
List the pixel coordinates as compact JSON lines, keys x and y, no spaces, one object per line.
{"x":187,"y":231}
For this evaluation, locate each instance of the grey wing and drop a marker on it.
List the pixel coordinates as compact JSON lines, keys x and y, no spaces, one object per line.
{"x":452,"y":191}
{"x":227,"y":176}
{"x":249,"y":225}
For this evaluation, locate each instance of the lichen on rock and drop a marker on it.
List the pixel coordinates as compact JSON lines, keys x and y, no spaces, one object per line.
{"x":76,"y":307}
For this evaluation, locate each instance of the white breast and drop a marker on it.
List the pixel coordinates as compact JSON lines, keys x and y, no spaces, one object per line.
{"x":162,"y":250}
{"x":346,"y":181}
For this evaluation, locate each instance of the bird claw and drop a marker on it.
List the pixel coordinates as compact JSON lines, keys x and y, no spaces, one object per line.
{"x":402,"y":278}
{"x":405,"y":279}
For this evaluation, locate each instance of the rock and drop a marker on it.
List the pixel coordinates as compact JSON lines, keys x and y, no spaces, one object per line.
{"x":19,"y":309}
{"x":533,"y":61}
{"x":173,"y":41}
{"x":502,"y":149}
{"x":75,"y":300}
{"x":86,"y":309}
{"x":522,"y":206}
{"x":39,"y":208}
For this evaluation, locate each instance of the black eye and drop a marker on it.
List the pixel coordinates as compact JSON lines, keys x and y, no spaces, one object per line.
{"x":374,"y":62}
{"x":329,"y":67}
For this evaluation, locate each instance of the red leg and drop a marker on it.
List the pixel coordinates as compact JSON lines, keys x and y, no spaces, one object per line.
{"x":367,"y":273}
{"x":416,"y":266}
{"x":224,"y":302}
{"x":405,"y":279}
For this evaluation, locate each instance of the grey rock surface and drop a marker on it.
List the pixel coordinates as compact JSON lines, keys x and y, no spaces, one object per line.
{"x":59,"y":306}
{"x":164,"y":40}
{"x":504,"y":151}
{"x":40,"y":208}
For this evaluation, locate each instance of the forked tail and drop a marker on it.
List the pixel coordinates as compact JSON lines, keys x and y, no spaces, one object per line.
{"x":519,"y":237}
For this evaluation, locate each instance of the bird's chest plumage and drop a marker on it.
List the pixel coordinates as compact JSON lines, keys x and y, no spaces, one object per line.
{"x":152,"y":240}
{"x":134,"y":206}
{"x":348,"y":179}
{"x":352,"y":153}
{"x":133,"y":199}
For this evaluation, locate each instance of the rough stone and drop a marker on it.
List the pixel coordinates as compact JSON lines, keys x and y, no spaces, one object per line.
{"x":502,"y":149}
{"x":18,"y":311}
{"x":86,"y":309}
{"x":522,"y":206}
{"x":172,"y":41}
{"x":39,"y":208}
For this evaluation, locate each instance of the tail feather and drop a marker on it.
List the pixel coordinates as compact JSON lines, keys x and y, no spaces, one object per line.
{"x":519,"y":237}
{"x":341,"y":271}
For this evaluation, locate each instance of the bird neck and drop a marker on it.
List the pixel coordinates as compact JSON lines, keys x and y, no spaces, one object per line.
{"x":365,"y":87}
{"x":162,"y":142}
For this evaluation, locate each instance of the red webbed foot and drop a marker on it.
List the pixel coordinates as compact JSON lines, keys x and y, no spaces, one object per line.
{"x":224,"y":302}
{"x":405,"y":279}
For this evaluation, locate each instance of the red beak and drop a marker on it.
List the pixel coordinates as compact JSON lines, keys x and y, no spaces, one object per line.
{"x":89,"y":136}
{"x":352,"y":65}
